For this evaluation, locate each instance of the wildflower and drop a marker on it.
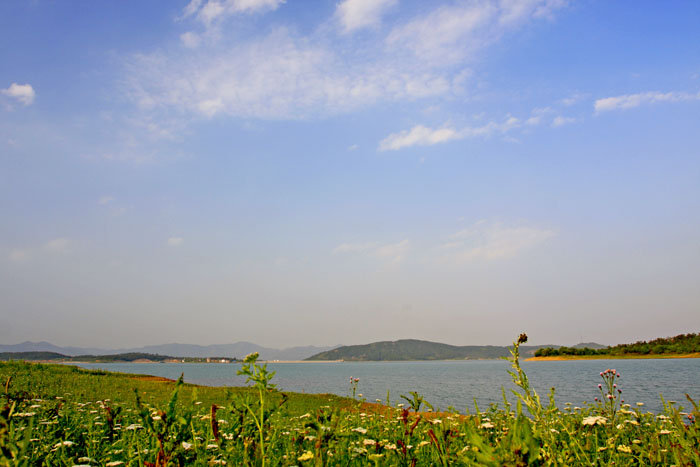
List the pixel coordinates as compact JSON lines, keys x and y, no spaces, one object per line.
{"x":486,"y":425}
{"x":360,"y":430}
{"x":595,"y":420}
{"x":134,"y":426}
{"x":212,"y":446}
{"x":391,"y":447}
{"x":369,"y":442}
{"x":307,"y":456}
{"x":437,"y":421}
{"x":640,"y":404}
{"x":64,"y":443}
{"x":625,"y":449}
{"x":306,"y":415}
{"x":251,"y":357}
{"x":114,"y":463}
{"x":664,"y":432}
{"x":423,"y":443}
{"x":186,"y":446}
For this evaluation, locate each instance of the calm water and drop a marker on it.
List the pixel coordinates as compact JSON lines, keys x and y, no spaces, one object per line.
{"x":453,"y":383}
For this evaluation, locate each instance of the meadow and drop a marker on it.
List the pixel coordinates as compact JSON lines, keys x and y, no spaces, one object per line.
{"x":63,"y":415}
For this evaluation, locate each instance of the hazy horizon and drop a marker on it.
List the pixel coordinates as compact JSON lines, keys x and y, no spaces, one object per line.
{"x":296,"y":173}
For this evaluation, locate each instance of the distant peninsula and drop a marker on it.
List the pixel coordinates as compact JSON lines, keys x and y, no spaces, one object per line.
{"x":414,"y":349}
{"x":680,"y":346}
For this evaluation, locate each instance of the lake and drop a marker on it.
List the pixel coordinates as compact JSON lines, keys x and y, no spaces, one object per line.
{"x":453,"y":383}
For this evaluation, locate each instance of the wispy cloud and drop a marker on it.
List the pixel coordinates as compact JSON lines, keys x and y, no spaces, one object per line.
{"x":105,"y":200}
{"x":420,"y":135}
{"x":450,"y":34}
{"x":209,"y":11}
{"x":57,"y":245}
{"x":560,"y":120}
{"x":282,"y":74}
{"x":629,"y":101}
{"x":494,"y":241}
{"x":175,"y":241}
{"x":358,"y":14}
{"x":51,"y":247}
{"x":394,"y":252}
{"x":22,"y":93}
{"x":18,"y":255}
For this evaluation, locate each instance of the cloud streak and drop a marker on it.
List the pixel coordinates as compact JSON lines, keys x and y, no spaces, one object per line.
{"x":393,"y":252}
{"x":630,"y":101}
{"x":421,"y":135}
{"x":493,"y":241}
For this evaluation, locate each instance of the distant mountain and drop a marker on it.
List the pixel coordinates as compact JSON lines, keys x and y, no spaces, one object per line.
{"x":238,"y":349}
{"x":413,"y":349}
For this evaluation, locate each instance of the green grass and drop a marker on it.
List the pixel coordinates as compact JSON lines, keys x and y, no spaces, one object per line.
{"x":61,"y":415}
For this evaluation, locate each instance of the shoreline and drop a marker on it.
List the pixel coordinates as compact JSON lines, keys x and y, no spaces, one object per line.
{"x":557,"y":358}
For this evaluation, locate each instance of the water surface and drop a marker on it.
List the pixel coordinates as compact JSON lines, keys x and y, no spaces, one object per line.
{"x":453,"y":383}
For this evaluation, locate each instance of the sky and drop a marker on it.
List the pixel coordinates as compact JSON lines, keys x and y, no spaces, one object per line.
{"x":341,"y":172}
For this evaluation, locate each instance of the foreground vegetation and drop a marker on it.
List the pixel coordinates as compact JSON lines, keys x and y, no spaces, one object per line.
{"x":57,"y":415}
{"x":682,"y":344}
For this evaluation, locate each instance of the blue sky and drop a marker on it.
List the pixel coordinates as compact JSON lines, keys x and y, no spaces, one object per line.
{"x":325,"y":172}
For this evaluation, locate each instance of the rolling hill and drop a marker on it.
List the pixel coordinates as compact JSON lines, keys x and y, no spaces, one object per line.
{"x":414,"y":349}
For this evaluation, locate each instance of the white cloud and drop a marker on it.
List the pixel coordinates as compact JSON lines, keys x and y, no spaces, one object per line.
{"x":24,"y":93}
{"x":394,"y":252}
{"x":283,"y":74}
{"x":493,"y":241}
{"x":419,"y":135}
{"x":561,"y":121}
{"x":105,"y":200}
{"x":628,"y":101}
{"x":212,"y":10}
{"x":57,"y":245}
{"x":190,"y":39}
{"x":358,"y":14}
{"x":452,"y":33}
{"x":280,"y":76}
{"x":175,"y":241}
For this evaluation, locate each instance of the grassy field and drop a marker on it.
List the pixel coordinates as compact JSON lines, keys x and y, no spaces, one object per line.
{"x":60,"y":415}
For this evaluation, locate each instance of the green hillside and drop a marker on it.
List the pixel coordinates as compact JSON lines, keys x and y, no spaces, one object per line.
{"x":677,"y":345}
{"x":414,"y":349}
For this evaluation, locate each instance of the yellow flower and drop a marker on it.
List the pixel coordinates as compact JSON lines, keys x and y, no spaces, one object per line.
{"x":624,"y":448}
{"x":592,"y":421}
{"x":307,"y":456}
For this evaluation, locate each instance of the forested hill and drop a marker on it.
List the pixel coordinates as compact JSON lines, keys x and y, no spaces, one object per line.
{"x":413,"y":349}
{"x":678,"y":345}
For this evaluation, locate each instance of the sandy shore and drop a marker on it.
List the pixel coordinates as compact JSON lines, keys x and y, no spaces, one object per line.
{"x":609,"y":357}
